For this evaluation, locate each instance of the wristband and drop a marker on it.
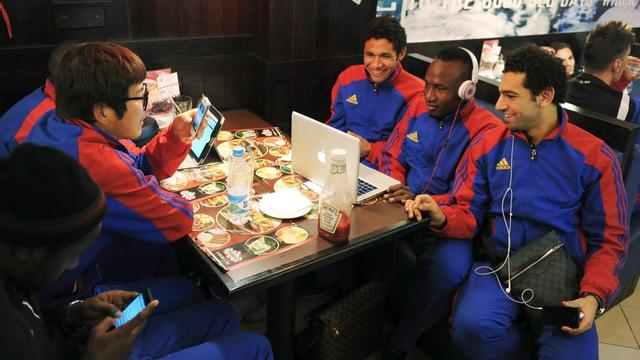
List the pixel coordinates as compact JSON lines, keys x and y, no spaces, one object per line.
{"x":67,"y":312}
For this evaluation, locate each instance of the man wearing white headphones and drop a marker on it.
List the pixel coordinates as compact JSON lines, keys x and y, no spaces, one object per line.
{"x":539,"y":174}
{"x":367,"y":100}
{"x":422,"y":153}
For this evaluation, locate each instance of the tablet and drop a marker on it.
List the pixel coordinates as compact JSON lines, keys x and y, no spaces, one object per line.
{"x":200,"y":148}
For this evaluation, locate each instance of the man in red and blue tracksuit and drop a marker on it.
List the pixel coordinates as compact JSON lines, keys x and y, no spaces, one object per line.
{"x":142,"y":219}
{"x":541,"y":173}
{"x":95,"y":126}
{"x":423,"y":152}
{"x":17,"y":122}
{"x":368,"y":100}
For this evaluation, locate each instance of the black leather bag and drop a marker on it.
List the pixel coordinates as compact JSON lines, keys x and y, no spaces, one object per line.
{"x":543,"y":266}
{"x":350,"y":328}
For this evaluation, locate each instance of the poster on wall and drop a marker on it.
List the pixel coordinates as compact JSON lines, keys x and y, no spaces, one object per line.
{"x":442,"y":20}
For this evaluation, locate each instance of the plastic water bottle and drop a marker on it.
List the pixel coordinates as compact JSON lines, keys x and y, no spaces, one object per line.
{"x":239,"y":184}
{"x":334,"y":212}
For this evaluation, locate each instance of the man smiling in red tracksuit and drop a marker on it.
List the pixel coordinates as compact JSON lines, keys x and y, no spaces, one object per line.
{"x":368,"y":100}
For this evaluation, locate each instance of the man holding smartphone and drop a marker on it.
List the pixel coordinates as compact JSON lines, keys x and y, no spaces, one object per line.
{"x":39,"y":243}
{"x":539,"y":173}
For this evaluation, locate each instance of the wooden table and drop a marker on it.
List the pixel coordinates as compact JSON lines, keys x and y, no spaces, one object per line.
{"x":370,"y":226}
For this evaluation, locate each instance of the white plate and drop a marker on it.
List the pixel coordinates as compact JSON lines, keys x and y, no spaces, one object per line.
{"x":285,"y":204}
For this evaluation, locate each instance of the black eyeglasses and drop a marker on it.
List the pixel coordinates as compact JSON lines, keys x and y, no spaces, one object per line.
{"x":144,"y":97}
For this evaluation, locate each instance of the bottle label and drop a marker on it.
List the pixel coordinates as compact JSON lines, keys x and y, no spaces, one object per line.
{"x":238,"y":203}
{"x":329,"y":217}
{"x":337,"y":169}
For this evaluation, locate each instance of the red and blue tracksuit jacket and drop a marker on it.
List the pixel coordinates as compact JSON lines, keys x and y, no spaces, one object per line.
{"x":412,"y":151}
{"x":137,"y":206}
{"x":570,"y":182}
{"x":17,"y":122}
{"x":371,"y":110}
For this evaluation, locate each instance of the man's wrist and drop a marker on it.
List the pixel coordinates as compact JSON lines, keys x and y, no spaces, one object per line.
{"x":439,"y":226}
{"x":599,"y":302}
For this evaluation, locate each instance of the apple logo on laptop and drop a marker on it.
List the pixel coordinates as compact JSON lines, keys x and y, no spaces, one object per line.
{"x":322,"y":156}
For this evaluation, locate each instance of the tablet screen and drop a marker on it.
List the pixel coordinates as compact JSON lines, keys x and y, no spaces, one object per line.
{"x":199,"y":147}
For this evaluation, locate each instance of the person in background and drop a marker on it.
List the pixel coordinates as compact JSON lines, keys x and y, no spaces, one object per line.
{"x":17,"y":122}
{"x":100,"y":105}
{"x":606,"y":54}
{"x":505,"y":184}
{"x":562,"y":51}
{"x":422,"y":153}
{"x":39,"y":243}
{"x":368,"y":100}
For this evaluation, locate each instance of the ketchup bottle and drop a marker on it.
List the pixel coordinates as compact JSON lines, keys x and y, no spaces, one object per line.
{"x":334,"y":214}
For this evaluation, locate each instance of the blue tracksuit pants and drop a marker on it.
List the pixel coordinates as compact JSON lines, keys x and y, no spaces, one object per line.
{"x":442,"y":266}
{"x":483,"y":327}
{"x":186,"y":327}
{"x":207,"y":330}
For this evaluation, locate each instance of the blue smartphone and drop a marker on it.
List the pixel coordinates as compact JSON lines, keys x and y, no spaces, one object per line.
{"x":203,"y":109}
{"x":134,"y":308}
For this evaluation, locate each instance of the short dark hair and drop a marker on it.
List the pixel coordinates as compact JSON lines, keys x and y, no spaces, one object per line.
{"x":387,"y":27}
{"x":559,"y":45}
{"x":55,"y":58}
{"x":49,"y":199}
{"x":94,"y":73}
{"x":541,"y":69}
{"x":606,"y":43}
{"x":454,"y":53}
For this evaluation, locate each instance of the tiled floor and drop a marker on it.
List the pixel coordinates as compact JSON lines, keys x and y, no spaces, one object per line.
{"x":619,"y":330}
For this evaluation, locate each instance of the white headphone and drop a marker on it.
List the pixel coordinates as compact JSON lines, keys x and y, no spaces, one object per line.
{"x":468,"y":88}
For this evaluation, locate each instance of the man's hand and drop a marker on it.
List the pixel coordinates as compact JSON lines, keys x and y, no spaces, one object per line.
{"x":365,"y":146}
{"x":632,"y":61}
{"x":427,"y":204}
{"x":108,"y":303}
{"x":182,"y":125}
{"x":398,"y":193}
{"x":588,"y":305}
{"x":116,"y":343}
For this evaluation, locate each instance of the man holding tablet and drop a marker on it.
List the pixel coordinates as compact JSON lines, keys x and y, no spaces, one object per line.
{"x":100,"y":106}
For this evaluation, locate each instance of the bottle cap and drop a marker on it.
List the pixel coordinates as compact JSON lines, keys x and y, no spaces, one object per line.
{"x":338,"y":154}
{"x":238,"y":151}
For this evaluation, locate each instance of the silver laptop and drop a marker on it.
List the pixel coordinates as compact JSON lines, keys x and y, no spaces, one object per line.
{"x":311,"y":145}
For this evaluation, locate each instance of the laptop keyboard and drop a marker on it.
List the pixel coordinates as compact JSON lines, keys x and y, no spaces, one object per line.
{"x":364,"y":187}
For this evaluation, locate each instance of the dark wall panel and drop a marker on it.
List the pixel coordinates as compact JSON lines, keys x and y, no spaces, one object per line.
{"x":191,"y":18}
{"x":165,"y":13}
{"x":280,"y":34}
{"x":304,"y":29}
{"x":213,"y":15}
{"x":273,"y":56}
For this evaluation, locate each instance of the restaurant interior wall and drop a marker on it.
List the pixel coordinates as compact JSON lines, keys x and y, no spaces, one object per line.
{"x":271,"y":56}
